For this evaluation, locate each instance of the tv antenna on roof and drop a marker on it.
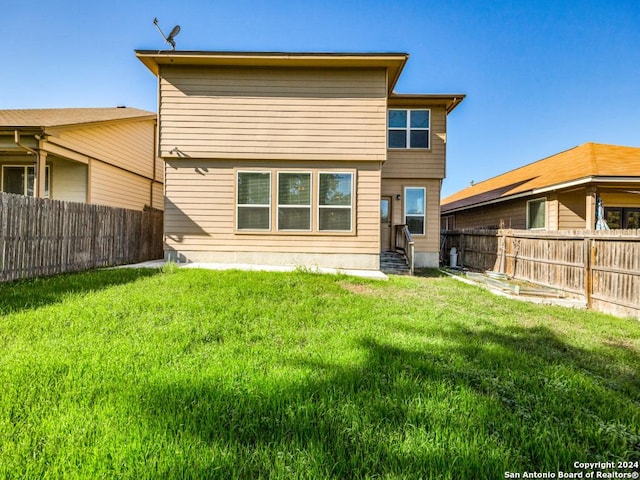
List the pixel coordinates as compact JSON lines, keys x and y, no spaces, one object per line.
{"x":170,"y":39}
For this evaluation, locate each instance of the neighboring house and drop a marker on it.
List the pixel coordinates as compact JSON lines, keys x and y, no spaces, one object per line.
{"x":557,"y":193}
{"x":90,"y":155}
{"x":286,"y":158}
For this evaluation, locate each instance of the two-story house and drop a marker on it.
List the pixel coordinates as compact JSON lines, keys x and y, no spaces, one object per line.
{"x":304,"y":159}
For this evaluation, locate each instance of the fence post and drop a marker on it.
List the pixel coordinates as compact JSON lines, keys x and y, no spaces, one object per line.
{"x":586,"y":256}
{"x":503,"y":253}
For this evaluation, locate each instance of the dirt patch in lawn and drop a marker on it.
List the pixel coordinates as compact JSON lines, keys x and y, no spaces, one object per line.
{"x":359,"y":289}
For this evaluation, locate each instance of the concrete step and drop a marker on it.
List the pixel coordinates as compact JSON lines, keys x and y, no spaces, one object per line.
{"x":393,"y":263}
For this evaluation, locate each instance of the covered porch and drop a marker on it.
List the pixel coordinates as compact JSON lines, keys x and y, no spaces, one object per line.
{"x":32,"y":166}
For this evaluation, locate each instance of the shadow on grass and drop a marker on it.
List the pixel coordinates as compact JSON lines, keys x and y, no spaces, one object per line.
{"x":471,"y":405}
{"x":38,"y":292}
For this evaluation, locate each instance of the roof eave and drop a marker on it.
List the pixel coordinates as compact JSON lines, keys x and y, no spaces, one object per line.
{"x":448,"y":100}
{"x":102,"y":122}
{"x":27,"y":130}
{"x":393,"y":62}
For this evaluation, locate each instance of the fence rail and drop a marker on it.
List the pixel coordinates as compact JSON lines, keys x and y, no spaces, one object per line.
{"x":603,"y":267}
{"x":40,"y":237}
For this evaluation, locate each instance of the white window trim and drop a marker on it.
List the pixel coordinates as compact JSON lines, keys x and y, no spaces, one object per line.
{"x":238,"y":205}
{"x":318,"y":229}
{"x":540,"y":199}
{"x":408,"y":129}
{"x":278,"y":206}
{"x":26,"y":166}
{"x":424,"y":214}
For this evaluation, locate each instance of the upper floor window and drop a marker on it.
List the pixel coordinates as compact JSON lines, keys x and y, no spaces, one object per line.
{"x":409,"y":128}
{"x":536,"y":213}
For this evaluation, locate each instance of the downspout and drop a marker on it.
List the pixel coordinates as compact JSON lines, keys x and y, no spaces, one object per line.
{"x":36,"y":162}
{"x":24,"y":147}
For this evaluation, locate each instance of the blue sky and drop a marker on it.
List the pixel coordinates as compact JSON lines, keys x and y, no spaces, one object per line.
{"x":540,"y":76}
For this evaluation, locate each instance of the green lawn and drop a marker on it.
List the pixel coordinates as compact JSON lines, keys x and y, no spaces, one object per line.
{"x":199,"y":374}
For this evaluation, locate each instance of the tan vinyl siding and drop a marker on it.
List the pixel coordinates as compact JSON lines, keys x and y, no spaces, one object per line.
{"x":507,"y":215}
{"x":159,"y":170}
{"x":125,"y":144}
{"x":68,"y":181}
{"x":420,"y":163}
{"x":279,"y":114}
{"x":552,"y":211}
{"x":117,"y":188}
{"x":200,"y":210}
{"x":572,"y":210}
{"x":157,"y":190}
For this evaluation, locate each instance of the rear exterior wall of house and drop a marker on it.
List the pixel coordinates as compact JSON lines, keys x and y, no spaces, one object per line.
{"x":222,"y":127}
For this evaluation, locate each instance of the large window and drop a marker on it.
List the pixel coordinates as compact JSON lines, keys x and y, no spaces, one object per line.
{"x":536,"y":213}
{"x":20,"y":179}
{"x":286,"y":201}
{"x":294,"y":201}
{"x":414,"y":209}
{"x":409,"y":128}
{"x":335,"y":201}
{"x":254,"y":201}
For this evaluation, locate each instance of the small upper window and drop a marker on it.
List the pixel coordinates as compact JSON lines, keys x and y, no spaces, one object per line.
{"x":536,"y":213}
{"x":409,"y":128}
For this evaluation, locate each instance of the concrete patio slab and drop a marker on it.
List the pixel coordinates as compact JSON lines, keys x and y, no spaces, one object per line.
{"x":370,"y":274}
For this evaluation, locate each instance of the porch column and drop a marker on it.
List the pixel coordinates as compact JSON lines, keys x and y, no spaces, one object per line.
{"x":590,"y":210}
{"x":39,"y":190}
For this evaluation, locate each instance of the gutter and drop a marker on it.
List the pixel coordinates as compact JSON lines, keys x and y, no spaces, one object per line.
{"x":16,"y":137}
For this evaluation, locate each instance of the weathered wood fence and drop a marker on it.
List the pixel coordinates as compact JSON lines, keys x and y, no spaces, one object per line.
{"x":40,"y":237}
{"x":603,"y":267}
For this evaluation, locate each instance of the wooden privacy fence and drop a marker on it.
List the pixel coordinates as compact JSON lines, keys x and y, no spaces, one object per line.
{"x":603,"y":267}
{"x":40,"y":237}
